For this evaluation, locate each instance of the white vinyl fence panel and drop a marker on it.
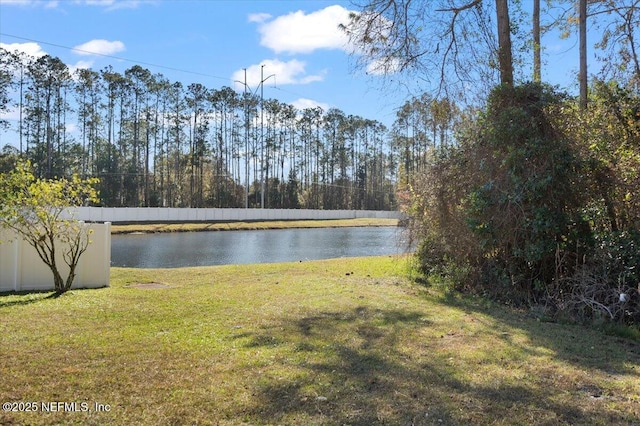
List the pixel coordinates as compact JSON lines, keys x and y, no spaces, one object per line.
{"x":168,"y":214}
{"x":21,"y":268}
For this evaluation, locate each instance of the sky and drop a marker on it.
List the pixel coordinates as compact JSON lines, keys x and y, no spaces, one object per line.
{"x":307,"y":60}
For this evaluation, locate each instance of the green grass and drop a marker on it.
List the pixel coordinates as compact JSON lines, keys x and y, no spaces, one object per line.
{"x":336,"y":342}
{"x":234,"y":226}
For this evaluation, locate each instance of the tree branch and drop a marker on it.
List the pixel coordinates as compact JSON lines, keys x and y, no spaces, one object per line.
{"x":457,"y":10}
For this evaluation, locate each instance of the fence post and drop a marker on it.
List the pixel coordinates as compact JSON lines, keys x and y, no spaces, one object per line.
{"x":107,"y":253}
{"x":17,"y":273}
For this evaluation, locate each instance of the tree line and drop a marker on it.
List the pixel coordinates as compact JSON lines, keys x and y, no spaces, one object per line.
{"x":153,"y":142}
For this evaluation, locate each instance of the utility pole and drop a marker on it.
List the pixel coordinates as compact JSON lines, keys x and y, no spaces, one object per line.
{"x":246,"y":143}
{"x":262,"y":183}
{"x":246,"y":139}
{"x":246,"y":135}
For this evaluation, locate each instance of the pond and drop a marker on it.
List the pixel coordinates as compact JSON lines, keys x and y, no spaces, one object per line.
{"x":173,"y":250}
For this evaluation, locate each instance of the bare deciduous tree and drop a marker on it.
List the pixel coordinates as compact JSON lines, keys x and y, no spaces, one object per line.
{"x":448,"y":43}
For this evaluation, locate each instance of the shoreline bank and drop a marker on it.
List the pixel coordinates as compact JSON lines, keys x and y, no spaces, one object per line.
{"x":151,"y":228}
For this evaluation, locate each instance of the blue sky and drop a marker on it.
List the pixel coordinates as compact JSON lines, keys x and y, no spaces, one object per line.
{"x":211,"y":41}
{"x":297,"y":41}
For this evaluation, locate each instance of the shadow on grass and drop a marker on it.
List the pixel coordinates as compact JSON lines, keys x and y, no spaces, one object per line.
{"x":373,"y":366}
{"x":21,"y":298}
{"x":579,"y":345}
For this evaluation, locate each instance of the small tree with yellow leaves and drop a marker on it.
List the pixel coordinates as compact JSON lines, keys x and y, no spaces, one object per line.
{"x":39,"y":210}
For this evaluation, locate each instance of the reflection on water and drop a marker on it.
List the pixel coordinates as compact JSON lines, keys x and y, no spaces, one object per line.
{"x":266,"y":246}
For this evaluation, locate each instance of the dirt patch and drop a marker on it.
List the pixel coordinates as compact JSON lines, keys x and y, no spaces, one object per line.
{"x":149,"y":286}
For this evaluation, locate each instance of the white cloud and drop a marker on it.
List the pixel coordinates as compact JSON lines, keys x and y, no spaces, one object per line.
{"x":259,"y":17}
{"x":17,"y":2}
{"x":298,"y":32}
{"x":99,"y":47}
{"x":303,"y":103}
{"x":96,"y":2}
{"x":80,"y":65}
{"x":51,"y":4}
{"x":31,"y":49}
{"x":278,"y":72}
{"x":110,"y":5}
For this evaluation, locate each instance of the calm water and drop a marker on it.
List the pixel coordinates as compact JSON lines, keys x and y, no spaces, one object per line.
{"x":234,"y":247}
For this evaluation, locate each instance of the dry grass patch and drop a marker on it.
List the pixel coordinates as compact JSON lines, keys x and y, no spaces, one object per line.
{"x":305,"y":343}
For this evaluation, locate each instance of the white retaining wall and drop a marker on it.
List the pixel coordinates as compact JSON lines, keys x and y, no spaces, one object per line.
{"x":166,"y":214}
{"x":21,"y":269}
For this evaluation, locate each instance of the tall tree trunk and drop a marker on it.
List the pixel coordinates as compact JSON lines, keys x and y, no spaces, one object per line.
{"x":505,"y":60}
{"x":537,"y":63}
{"x":582,"y":16}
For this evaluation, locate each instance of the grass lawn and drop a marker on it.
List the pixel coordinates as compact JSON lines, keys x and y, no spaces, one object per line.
{"x":235,"y":226}
{"x":335,"y":342}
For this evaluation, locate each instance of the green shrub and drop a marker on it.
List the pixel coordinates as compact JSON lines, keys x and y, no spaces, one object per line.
{"x":524,"y":207}
{"x":529,"y":208}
